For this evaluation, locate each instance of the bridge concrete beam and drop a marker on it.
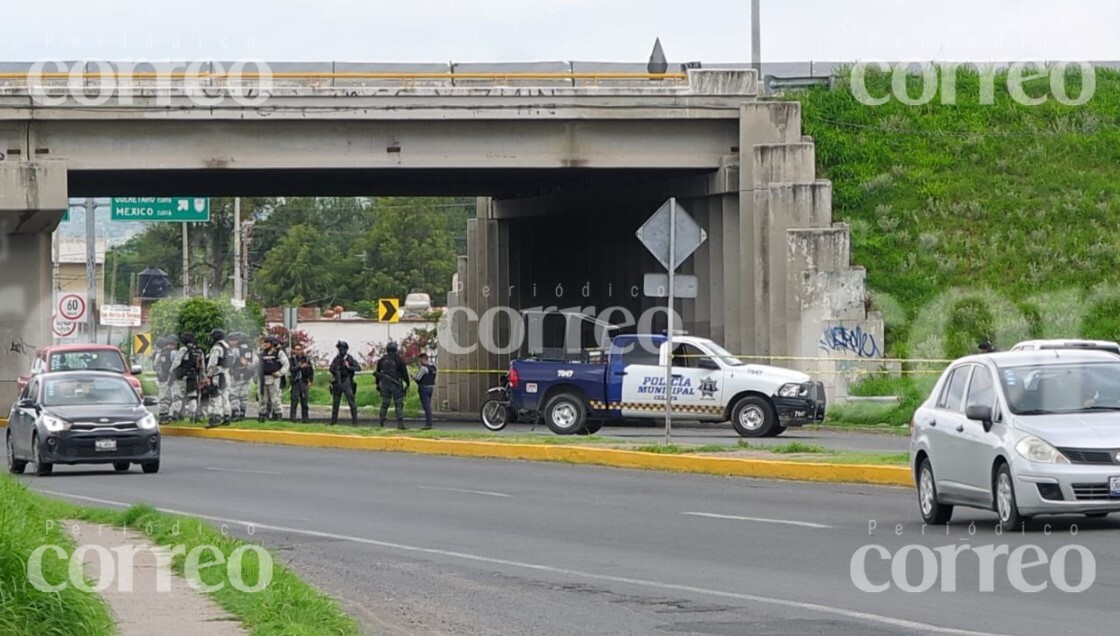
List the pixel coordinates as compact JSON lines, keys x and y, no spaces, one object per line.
{"x":290,"y":145}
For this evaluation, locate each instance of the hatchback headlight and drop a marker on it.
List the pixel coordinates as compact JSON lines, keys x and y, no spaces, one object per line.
{"x":54,"y":424}
{"x":793,"y":390}
{"x":148,"y":422}
{"x":1039,"y":451}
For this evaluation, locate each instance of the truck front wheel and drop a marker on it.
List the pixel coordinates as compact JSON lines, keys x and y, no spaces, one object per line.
{"x":565,"y":414}
{"x":754,"y":417}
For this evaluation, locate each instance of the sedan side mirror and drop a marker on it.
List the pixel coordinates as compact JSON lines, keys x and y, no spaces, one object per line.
{"x":981,"y":413}
{"x":137,"y":370}
{"x":151,"y":400}
{"x":707,"y":363}
{"x":26,"y":403}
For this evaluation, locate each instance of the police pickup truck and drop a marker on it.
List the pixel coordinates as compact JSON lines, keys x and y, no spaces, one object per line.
{"x":708,"y":383}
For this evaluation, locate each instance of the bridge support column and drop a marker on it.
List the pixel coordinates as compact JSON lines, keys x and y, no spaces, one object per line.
{"x":33,"y":197}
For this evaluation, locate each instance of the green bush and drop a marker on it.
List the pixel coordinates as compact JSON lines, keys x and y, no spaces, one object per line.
{"x":910,"y":390}
{"x":200,"y":316}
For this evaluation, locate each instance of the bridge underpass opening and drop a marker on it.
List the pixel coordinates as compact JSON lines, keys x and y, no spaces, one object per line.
{"x":564,"y":175}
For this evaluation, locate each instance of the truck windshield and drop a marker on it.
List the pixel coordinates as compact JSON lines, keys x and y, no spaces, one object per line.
{"x":724,"y":355}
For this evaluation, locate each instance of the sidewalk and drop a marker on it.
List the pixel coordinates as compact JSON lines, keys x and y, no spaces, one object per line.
{"x":145,"y":610}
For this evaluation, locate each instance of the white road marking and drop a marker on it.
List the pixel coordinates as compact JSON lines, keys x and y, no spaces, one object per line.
{"x":659,"y":585}
{"x":247,"y":472}
{"x":787,"y":522}
{"x":469,"y":492}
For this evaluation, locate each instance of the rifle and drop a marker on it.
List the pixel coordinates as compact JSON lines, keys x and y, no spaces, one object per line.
{"x":396,"y":381}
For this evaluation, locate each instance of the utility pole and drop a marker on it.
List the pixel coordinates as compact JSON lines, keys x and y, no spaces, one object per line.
{"x":91,"y":269}
{"x":186,"y":266}
{"x":237,"y":292}
{"x":756,"y":39}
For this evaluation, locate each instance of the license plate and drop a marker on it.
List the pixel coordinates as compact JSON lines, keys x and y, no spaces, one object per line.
{"x":105,"y":444}
{"x":1114,"y":486}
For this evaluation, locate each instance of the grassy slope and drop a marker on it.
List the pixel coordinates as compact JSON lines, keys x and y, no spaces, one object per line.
{"x":26,"y":524}
{"x":286,"y":606}
{"x":1019,"y":205}
{"x":1021,"y":200}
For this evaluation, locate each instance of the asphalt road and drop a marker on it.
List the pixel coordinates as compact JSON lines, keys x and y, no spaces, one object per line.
{"x":417,"y":545}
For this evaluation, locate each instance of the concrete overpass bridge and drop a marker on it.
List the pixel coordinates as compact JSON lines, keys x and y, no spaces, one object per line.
{"x":566,"y":164}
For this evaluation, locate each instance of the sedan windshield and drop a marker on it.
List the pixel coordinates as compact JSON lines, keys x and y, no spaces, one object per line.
{"x":97,"y":360}
{"x":87,"y":392}
{"x":1062,"y":388}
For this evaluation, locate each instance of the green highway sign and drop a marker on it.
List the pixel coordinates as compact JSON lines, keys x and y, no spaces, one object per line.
{"x":180,"y":209}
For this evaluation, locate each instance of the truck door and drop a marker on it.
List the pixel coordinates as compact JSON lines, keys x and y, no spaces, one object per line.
{"x":697,"y":383}
{"x":644,"y":378}
{"x":616,"y":375}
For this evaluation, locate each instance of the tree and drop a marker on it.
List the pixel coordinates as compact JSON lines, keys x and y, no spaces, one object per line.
{"x":202,"y":315}
{"x":299,"y":270}
{"x":408,"y":248}
{"x":210,"y":249}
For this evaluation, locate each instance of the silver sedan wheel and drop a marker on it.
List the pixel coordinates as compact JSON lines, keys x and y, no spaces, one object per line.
{"x":925,"y":491}
{"x":1005,"y":497}
{"x":752,"y":418}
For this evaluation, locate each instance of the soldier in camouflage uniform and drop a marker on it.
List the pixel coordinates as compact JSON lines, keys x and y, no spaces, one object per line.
{"x":217,"y":372}
{"x":274,"y":369}
{"x":186,"y":372}
{"x":241,"y":373}
{"x":162,"y":360}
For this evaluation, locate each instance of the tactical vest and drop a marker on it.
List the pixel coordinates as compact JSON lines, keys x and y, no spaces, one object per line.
{"x":270,"y":362}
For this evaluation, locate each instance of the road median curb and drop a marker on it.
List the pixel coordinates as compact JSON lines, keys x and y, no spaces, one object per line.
{"x":574,"y":454}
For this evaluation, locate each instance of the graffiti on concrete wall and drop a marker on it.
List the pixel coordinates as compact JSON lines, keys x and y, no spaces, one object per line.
{"x":18,"y":346}
{"x":854,"y":341}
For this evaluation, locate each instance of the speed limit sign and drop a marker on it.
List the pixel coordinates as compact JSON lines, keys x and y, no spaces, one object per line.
{"x":72,"y":306}
{"x":64,"y":328}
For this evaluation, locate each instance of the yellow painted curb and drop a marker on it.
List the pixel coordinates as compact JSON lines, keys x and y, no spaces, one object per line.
{"x":723,"y":466}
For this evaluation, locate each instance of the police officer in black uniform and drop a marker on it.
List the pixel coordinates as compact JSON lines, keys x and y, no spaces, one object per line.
{"x":303,"y":374}
{"x":426,"y":383}
{"x":343,"y":368}
{"x":392,"y":383}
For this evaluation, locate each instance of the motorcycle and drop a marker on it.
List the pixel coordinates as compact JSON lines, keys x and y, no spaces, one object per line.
{"x":498,"y":409}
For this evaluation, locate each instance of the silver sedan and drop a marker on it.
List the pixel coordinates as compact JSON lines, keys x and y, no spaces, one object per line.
{"x":1022,"y":433}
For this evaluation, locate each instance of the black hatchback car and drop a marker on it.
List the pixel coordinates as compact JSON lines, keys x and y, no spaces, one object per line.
{"x":81,"y":417}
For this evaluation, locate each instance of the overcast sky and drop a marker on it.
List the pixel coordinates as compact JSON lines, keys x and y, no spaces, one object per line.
{"x":534,"y":30}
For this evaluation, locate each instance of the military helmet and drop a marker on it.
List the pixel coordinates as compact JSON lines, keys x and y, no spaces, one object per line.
{"x":273,"y":340}
{"x":217,"y":335}
{"x":391,"y":347}
{"x":342,"y":345}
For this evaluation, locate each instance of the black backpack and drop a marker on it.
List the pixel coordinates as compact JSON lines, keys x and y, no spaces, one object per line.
{"x":387,"y":366}
{"x":191,"y":362}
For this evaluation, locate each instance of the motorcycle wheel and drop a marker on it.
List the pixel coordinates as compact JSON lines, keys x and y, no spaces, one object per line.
{"x":495,"y":415}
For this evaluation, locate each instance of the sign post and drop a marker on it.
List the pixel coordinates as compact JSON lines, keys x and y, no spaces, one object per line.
{"x":671,"y":235}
